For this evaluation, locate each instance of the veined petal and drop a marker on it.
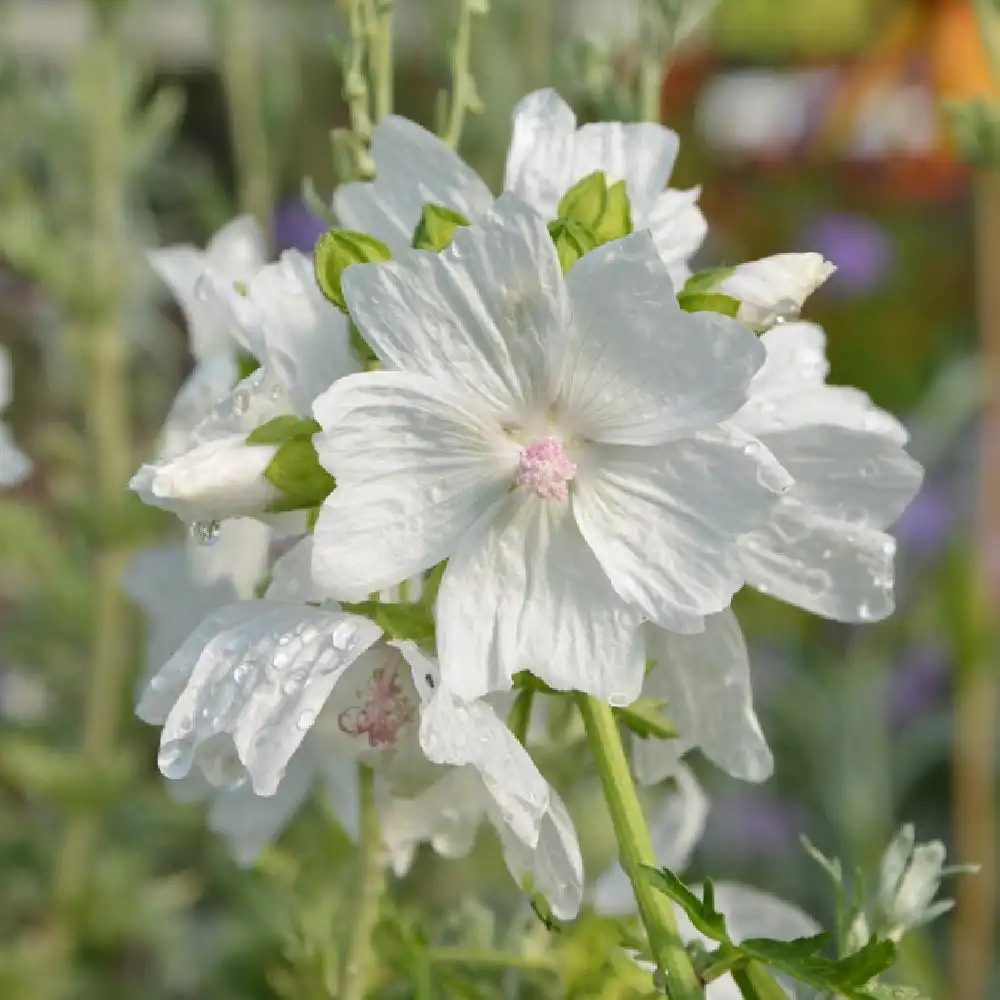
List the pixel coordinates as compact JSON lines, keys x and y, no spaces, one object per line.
{"x":678,"y":228}
{"x":663,"y":521}
{"x":291,"y":576}
{"x":252,"y":679}
{"x":540,"y":156}
{"x":848,"y":475}
{"x":776,"y":287}
{"x":413,"y":167}
{"x":639,"y":369}
{"x":489,"y":313}
{"x":524,"y":592}
{"x":239,"y":555}
{"x":414,"y":470}
{"x":238,"y":249}
{"x":211,"y":381}
{"x":789,"y":390}
{"x":705,"y":680}
{"x":828,"y":567}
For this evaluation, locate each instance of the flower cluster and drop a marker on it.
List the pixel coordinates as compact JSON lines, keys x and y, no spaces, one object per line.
{"x":483,"y":444}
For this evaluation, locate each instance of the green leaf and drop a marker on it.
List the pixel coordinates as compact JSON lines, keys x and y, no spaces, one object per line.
{"x":287,"y":427}
{"x":246,"y":365}
{"x":701,"y":912}
{"x":585,"y":201}
{"x":707,"y":280}
{"x":336,"y":251}
{"x":616,"y":220}
{"x":296,"y":471}
{"x":709,"y":302}
{"x":572,"y":241}
{"x":644,"y":718}
{"x":411,"y":621}
{"x":755,"y":983}
{"x":436,"y":227}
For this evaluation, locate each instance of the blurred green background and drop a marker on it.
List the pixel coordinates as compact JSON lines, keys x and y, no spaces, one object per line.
{"x":810,"y":125}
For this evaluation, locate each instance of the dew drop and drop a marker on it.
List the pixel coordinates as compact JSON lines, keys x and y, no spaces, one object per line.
{"x":865,"y":611}
{"x":203,"y":288}
{"x":889,"y":547}
{"x":280,"y":660}
{"x":241,"y":671}
{"x":158,"y":683}
{"x":305,"y":720}
{"x":869,"y":468}
{"x":241,"y":402}
{"x":284,"y":640}
{"x":343,"y":636}
{"x":174,"y":759}
{"x":206,"y":532}
{"x":618,"y":700}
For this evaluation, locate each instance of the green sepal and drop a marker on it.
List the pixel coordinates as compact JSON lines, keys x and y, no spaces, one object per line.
{"x":246,"y":365}
{"x":287,"y":427}
{"x":716,"y":302}
{"x":644,"y":718}
{"x":572,"y":240}
{"x":412,"y":621}
{"x":295,"y":470}
{"x":436,"y":227}
{"x":707,"y":280}
{"x":362,"y":349}
{"x":586,"y":200}
{"x":701,"y":912}
{"x":336,"y":251}
{"x":616,"y":220}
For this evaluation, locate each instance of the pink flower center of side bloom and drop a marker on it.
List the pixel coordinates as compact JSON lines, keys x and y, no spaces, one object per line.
{"x":544,"y":469}
{"x":386,"y":712}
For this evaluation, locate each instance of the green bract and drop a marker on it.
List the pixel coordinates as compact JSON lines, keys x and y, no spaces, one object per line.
{"x":572,"y":241}
{"x":707,"y":280}
{"x":709,"y":302}
{"x":436,"y":227}
{"x":645,"y":719}
{"x":413,"y":621}
{"x":295,"y":468}
{"x":337,"y":250}
{"x":287,"y":427}
{"x":591,"y":213}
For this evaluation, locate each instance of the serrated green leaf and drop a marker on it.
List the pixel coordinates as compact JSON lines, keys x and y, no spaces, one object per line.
{"x":295,"y":470}
{"x":616,"y":219}
{"x":411,"y":621}
{"x":336,"y":251}
{"x":707,"y":280}
{"x":645,"y":719}
{"x":572,"y":241}
{"x":701,"y":913}
{"x":716,"y":302}
{"x":585,"y":201}
{"x":287,"y":427}
{"x":436,"y":227}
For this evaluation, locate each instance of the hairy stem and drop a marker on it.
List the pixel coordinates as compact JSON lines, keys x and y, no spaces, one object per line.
{"x":462,"y":87}
{"x":239,"y":37}
{"x":636,"y":850}
{"x":371,"y":885}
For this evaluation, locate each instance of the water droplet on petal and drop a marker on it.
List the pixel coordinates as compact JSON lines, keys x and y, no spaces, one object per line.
{"x":869,"y":468}
{"x":203,"y":288}
{"x":305,"y":720}
{"x":174,"y":759}
{"x":206,"y":532}
{"x":864,"y":611}
{"x":618,"y":700}
{"x":343,"y":636}
{"x":241,"y":402}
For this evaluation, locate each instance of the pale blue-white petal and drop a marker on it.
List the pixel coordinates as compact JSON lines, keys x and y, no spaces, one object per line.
{"x":678,"y":228}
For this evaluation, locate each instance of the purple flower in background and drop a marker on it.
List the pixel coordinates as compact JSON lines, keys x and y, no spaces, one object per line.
{"x":295,"y":227}
{"x":861,"y":249}
{"x":917,"y":684}
{"x":752,"y":825}
{"x":926,"y":524}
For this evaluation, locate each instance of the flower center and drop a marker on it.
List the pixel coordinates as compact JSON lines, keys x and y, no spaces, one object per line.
{"x":544,"y":469}
{"x":385,"y":712}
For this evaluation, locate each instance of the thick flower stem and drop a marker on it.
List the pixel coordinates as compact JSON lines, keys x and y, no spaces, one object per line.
{"x":636,"y":851}
{"x":651,"y":66}
{"x":371,"y":885}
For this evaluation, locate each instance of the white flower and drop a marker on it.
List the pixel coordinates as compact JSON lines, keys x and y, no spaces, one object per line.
{"x":547,"y":155}
{"x":303,"y":345}
{"x":826,"y":548}
{"x":705,"y":681}
{"x":14,"y":466}
{"x":556,"y":439}
{"x":774,"y":289}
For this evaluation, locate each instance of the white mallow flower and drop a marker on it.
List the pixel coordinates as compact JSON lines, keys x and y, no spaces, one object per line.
{"x":825,"y":548}
{"x":303,"y":345}
{"x":233,"y":256}
{"x":14,"y":466}
{"x":556,"y":439}
{"x":774,"y":289}
{"x":548,"y":154}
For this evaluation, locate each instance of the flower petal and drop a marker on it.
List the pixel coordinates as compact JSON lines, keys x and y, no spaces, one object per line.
{"x":776,"y":288}
{"x":489,"y":313}
{"x":839,"y":571}
{"x":705,"y":680}
{"x":238,"y":249}
{"x":414,"y":469}
{"x":678,"y":228}
{"x":848,"y":475}
{"x":246,"y":686}
{"x":639,"y":369}
{"x":664,"y":521}
{"x":789,"y":390}
{"x":524,"y":592}
{"x":413,"y":168}
{"x":211,"y":381}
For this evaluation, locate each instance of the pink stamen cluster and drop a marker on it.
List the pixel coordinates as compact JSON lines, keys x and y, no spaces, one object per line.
{"x":386,"y":710}
{"x":544,"y":469}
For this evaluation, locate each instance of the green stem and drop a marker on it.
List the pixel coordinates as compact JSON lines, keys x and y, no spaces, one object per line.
{"x":461,"y":75}
{"x":239,"y":45}
{"x":520,"y":714}
{"x":107,"y":417}
{"x":486,"y":958}
{"x":371,"y":884}
{"x":756,"y":984}
{"x":636,"y":850}
{"x":381,"y":58}
{"x":651,"y":62}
